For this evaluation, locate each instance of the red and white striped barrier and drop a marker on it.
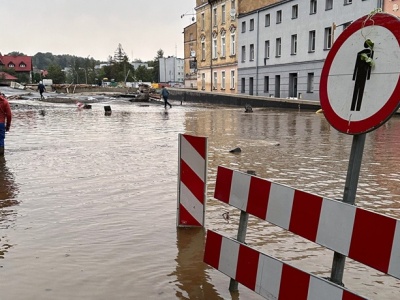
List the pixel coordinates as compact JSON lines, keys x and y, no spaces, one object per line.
{"x":266,"y":275}
{"x":370,"y":238}
{"x":192,"y":180}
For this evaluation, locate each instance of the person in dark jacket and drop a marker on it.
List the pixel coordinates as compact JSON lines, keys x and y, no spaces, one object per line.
{"x":5,"y":120}
{"x":41,"y":88}
{"x":165,"y":95}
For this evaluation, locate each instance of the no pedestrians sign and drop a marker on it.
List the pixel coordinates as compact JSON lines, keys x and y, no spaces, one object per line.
{"x":360,"y":80}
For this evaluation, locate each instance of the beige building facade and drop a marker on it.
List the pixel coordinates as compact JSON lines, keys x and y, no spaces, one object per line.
{"x":216,"y":45}
{"x":190,"y":50}
{"x":217,"y":34}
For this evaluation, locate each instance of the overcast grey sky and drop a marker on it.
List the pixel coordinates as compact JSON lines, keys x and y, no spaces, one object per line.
{"x":95,"y":27}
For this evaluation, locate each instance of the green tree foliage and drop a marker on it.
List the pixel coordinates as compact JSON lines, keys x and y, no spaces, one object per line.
{"x":144,"y":74}
{"x":156,"y":65}
{"x":16,"y":53}
{"x":56,"y":74}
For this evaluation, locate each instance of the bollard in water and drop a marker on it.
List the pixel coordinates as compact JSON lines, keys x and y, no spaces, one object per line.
{"x":107,"y":110}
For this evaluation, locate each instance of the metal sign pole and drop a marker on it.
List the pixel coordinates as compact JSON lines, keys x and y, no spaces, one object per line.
{"x":241,"y":237}
{"x":349,"y":196}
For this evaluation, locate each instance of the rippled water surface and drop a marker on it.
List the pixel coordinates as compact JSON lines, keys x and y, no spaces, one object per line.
{"x":88,"y":201}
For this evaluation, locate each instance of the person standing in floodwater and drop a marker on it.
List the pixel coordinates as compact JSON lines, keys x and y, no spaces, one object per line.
{"x":165,"y":95}
{"x":362,"y":73}
{"x":41,"y":88}
{"x":5,"y":120}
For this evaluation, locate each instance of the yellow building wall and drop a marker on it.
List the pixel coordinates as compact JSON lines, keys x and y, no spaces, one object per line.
{"x":212,"y":24}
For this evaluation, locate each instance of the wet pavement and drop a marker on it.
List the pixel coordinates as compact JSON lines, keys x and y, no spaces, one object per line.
{"x":88,"y":201}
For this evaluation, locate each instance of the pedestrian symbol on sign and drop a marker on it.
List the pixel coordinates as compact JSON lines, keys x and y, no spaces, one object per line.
{"x":362,"y":73}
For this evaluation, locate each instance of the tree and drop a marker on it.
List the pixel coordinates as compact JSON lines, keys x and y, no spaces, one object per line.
{"x":16,"y":53}
{"x":143,"y":74}
{"x":56,"y":74}
{"x":120,"y":55}
{"x":156,"y":65}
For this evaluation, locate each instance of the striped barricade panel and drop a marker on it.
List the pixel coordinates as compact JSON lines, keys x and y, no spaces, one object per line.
{"x":192,"y":180}
{"x":266,"y":275}
{"x":370,"y":238}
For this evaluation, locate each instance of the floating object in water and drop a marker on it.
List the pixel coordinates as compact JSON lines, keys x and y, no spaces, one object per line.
{"x":248,"y":108}
{"x":236,"y":150}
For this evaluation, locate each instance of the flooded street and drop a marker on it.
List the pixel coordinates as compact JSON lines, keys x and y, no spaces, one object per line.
{"x":88,"y":201}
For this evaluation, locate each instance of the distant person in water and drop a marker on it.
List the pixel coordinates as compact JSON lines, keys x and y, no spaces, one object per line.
{"x":5,"y":120}
{"x":41,"y":88}
{"x":165,"y":95}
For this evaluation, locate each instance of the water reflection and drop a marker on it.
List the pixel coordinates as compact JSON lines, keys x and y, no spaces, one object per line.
{"x":190,"y":267}
{"x":8,"y":192}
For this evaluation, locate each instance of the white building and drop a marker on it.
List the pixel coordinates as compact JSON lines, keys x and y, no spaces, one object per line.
{"x":282,"y":47}
{"x":136,"y":65}
{"x":172,"y":70}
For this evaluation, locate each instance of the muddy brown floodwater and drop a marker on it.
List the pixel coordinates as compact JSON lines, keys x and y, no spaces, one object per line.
{"x":88,"y":201}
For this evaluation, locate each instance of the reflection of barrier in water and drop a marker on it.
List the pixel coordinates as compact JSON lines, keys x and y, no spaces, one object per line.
{"x":191,"y":271}
{"x":8,"y":192}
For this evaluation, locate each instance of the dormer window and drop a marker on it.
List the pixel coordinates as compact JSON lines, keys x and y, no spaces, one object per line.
{"x":22,"y":65}
{"x":11,"y":65}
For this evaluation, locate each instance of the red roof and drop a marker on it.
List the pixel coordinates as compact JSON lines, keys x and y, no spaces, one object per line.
{"x":6,"y":76}
{"x":19,"y":63}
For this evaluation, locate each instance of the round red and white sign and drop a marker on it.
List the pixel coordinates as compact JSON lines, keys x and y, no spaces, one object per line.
{"x":360,"y":83}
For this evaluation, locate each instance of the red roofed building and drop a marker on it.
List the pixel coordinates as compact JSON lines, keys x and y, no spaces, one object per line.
{"x":21,"y":66}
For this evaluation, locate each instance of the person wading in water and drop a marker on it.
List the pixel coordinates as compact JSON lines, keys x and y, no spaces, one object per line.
{"x":165,"y":95}
{"x":5,"y":120}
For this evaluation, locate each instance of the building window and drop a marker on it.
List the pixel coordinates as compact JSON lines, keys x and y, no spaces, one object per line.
{"x":215,"y":16}
{"x":11,"y":65}
{"x":293,"y":49}
{"x":215,"y":81}
{"x":278,"y":17}
{"x":295,"y":11}
{"x":203,"y":81}
{"x":310,"y":82}
{"x":232,"y":79}
{"x":267,"y":20}
{"x":243,"y":53}
{"x":203,"y":50}
{"x":266,"y":50}
{"x":347,"y":2}
{"x":223,"y":46}
{"x":191,"y":37}
{"x":22,"y":65}
{"x":222,"y":80}
{"x":202,"y":21}
{"x":243,"y":88}
{"x":328,"y":4}
{"x":328,"y":38}
{"x":223,"y":13}
{"x":278,"y":49}
{"x":251,"y":52}
{"x":243,"y":26}
{"x":214,"y":48}
{"x":251,"y":24}
{"x":313,"y":7}
{"x":233,"y":44}
{"x":311,"y":41}
{"x":266,"y":84}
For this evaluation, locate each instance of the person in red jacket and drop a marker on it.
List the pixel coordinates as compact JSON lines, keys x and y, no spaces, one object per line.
{"x":5,"y":120}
